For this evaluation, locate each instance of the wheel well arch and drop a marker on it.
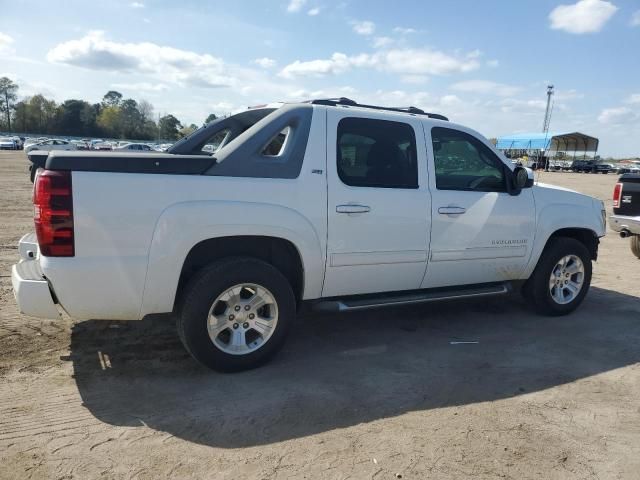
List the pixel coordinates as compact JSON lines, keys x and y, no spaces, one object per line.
{"x":280,"y":253}
{"x":586,"y":236}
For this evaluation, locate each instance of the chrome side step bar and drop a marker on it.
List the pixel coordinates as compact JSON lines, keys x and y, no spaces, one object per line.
{"x":361,"y":302}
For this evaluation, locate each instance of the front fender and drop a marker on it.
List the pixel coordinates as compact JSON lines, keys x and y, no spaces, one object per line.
{"x":182,"y":226}
{"x":558,"y":216}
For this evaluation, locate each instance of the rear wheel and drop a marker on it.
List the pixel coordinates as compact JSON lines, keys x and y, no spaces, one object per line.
{"x":235,"y":314}
{"x":561,"y":279}
{"x":635,"y":245}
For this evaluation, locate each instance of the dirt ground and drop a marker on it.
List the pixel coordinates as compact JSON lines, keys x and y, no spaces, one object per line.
{"x":381,"y":394}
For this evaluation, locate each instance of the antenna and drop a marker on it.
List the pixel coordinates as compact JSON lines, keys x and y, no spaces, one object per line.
{"x":547,"y":113}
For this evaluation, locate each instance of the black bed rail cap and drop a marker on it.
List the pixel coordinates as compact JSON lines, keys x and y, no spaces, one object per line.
{"x":333,"y":102}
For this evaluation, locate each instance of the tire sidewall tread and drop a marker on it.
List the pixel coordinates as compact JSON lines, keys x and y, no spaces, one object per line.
{"x":199,"y":295}
{"x":536,"y":289}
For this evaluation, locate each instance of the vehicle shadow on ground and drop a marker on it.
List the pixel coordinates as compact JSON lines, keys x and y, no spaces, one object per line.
{"x":340,"y":370}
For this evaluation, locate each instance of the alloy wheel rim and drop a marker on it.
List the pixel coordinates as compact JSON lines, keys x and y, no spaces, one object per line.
{"x":242,"y":319}
{"x":566,"y":279}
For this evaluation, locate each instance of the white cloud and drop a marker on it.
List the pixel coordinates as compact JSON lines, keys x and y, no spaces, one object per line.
{"x":563,"y":95}
{"x":136,"y":5}
{"x":94,"y":51}
{"x":5,"y":44}
{"x":493,"y":63}
{"x":414,"y":79}
{"x":313,"y":11}
{"x":486,"y":87}
{"x":634,"y":99}
{"x":635,"y":19}
{"x":295,"y":5}
{"x":401,"y":61}
{"x":142,"y":86}
{"x":363,"y":27}
{"x":338,"y":63}
{"x":618,"y":115}
{"x":508,"y":105}
{"x":585,"y":16}
{"x":265,"y":62}
{"x":450,"y":101}
{"x":382,"y":42}
{"x":404,"y":31}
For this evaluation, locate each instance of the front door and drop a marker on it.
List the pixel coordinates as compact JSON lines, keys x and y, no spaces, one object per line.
{"x":480,"y":233}
{"x":378,"y":203}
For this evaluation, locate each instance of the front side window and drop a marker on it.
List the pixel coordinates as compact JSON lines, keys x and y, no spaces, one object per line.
{"x":376,"y":153}
{"x":462,"y":162}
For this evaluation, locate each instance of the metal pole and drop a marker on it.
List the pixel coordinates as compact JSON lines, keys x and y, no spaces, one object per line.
{"x":547,"y":113}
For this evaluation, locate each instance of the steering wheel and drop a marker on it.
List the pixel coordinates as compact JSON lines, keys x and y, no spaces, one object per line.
{"x":476,"y":182}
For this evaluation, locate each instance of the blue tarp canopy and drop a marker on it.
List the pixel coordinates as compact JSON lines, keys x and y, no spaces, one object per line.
{"x":557,"y":142}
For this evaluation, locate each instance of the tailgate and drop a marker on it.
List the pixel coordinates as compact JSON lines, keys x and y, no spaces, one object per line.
{"x":630,"y":198}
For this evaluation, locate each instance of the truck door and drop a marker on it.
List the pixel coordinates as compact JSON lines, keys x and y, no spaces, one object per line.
{"x":480,"y":233}
{"x":379,"y":209}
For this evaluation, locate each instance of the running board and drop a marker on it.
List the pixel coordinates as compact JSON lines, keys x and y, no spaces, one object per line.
{"x":361,"y":302}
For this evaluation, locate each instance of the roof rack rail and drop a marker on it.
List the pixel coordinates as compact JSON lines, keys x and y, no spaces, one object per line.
{"x":332,"y":102}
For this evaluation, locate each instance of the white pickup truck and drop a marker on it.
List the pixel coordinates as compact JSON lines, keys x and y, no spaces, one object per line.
{"x":326,"y":204}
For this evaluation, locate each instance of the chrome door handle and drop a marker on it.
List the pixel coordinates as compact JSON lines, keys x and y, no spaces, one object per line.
{"x":451,"y":210}
{"x":352,"y":208}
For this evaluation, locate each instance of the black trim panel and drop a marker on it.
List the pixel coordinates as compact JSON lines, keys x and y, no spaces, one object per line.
{"x":159,"y":163}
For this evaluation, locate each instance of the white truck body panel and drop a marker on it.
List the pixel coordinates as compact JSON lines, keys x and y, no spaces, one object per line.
{"x":384,"y":249}
{"x":134,"y":231}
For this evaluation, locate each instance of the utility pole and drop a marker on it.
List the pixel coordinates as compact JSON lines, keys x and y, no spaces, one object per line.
{"x":545,"y":126}
{"x":547,"y":113}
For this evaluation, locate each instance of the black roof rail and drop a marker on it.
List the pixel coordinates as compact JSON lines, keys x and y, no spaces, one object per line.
{"x":332,"y":102}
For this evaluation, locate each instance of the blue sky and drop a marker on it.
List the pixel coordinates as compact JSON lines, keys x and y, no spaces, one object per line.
{"x":484,"y":64}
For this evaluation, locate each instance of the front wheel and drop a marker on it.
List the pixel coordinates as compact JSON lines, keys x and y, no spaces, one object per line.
{"x":635,"y":245}
{"x":561,"y":279}
{"x":235,"y":314}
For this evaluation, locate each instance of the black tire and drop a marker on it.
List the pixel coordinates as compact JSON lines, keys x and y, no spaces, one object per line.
{"x":635,"y":245}
{"x":536,"y":290}
{"x":205,"y":287}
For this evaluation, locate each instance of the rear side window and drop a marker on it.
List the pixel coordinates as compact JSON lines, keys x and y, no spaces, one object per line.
{"x":376,"y":153}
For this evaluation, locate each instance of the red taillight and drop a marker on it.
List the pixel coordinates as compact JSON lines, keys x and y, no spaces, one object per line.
{"x":617,"y":193}
{"x":53,"y":213}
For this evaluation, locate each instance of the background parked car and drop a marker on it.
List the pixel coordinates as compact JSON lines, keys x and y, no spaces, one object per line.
{"x":33,"y":140}
{"x":582,"y":166}
{"x":629,"y":168}
{"x":102,"y":146}
{"x":589,"y":166}
{"x":8,"y":143}
{"x":134,"y":147}
{"x":80,"y":144}
{"x":53,"y":144}
{"x":603,"y":168}
{"x":19,"y":142}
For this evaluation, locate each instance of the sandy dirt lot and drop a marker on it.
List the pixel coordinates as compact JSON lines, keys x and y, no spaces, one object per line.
{"x":371,"y":395}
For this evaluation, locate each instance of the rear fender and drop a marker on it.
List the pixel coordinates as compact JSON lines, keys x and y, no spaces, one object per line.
{"x":184,"y":225}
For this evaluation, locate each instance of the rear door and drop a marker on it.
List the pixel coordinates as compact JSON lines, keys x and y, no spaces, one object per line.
{"x":378,"y":203}
{"x":480,"y":233}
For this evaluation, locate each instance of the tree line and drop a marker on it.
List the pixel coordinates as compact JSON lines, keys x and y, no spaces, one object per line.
{"x":114,"y":117}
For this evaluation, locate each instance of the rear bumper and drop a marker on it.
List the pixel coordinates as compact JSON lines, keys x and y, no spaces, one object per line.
{"x":30,"y":287}
{"x":622,"y":222}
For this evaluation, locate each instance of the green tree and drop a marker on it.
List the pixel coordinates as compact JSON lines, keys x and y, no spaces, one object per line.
{"x":22,"y":116}
{"x":130,"y":118}
{"x":169,"y":127}
{"x":188,"y":130}
{"x":109,"y":121}
{"x":8,"y":96}
{"x":76,"y":118}
{"x":111,"y":98}
{"x":210,"y":118}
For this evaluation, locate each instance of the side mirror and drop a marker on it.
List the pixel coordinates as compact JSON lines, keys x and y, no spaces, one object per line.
{"x":523,"y":178}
